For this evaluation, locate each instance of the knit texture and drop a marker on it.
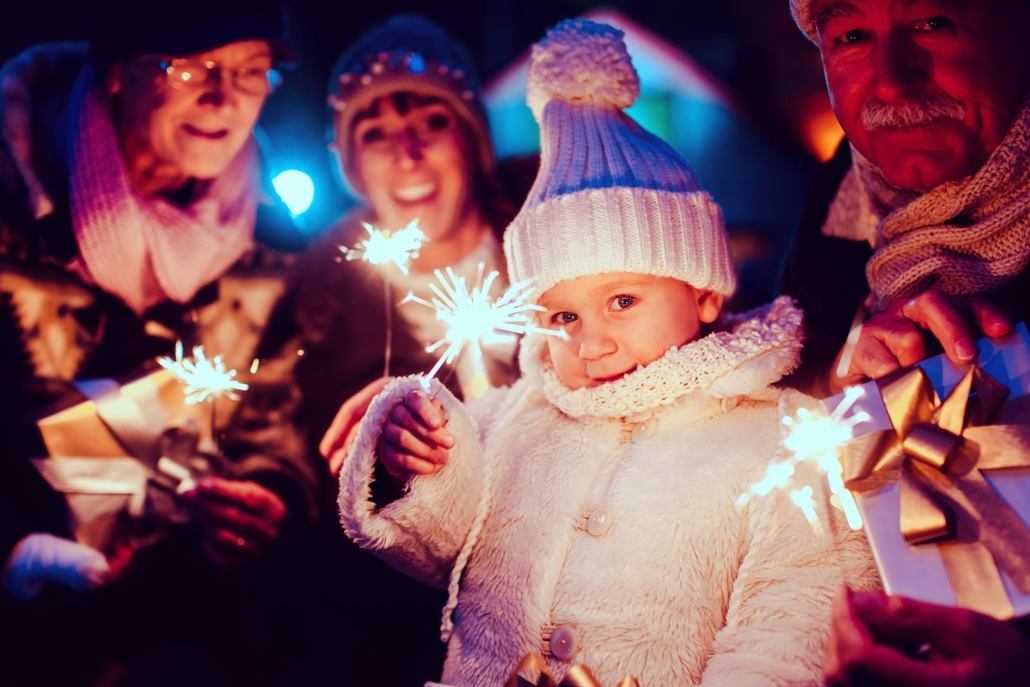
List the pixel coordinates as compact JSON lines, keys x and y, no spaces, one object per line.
{"x":145,"y":249}
{"x":969,"y":236}
{"x":703,"y":365}
{"x":609,"y":196}
{"x":407,"y":53}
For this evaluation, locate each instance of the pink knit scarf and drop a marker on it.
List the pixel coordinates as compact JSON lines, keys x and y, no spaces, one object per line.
{"x":146,"y":250}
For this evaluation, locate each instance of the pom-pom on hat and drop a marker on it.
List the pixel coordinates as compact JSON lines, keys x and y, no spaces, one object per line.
{"x":408,"y":52}
{"x":609,"y":196}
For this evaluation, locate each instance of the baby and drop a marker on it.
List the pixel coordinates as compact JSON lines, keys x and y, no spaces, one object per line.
{"x":590,"y":512}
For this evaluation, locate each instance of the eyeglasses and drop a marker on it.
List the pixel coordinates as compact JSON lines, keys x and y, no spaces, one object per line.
{"x":184,"y":72}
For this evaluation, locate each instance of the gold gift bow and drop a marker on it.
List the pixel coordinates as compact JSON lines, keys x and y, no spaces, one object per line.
{"x":937,"y":451}
{"x":578,"y":676}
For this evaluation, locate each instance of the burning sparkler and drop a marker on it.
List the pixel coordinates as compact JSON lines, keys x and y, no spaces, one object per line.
{"x":399,"y":247}
{"x":815,"y":437}
{"x":203,"y":378}
{"x":469,"y":315}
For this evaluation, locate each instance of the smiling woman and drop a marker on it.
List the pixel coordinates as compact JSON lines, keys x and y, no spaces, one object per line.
{"x":412,"y":144}
{"x":411,"y":139}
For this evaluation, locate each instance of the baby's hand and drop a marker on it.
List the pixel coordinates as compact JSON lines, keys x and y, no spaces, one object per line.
{"x":414,"y":438}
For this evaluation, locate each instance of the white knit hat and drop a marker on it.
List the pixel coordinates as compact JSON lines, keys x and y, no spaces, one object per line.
{"x":610,"y":196}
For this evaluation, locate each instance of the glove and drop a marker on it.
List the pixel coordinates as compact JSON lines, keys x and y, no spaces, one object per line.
{"x":42,"y":558}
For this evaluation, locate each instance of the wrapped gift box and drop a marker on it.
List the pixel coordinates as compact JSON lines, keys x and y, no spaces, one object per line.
{"x":918,"y":571}
{"x":121,"y":450}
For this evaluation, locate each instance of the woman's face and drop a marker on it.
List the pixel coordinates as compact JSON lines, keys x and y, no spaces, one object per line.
{"x":195,"y":128}
{"x":412,"y":157}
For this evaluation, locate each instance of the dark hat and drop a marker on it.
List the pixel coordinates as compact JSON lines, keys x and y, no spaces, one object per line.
{"x":123,"y":29}
{"x":407,"y":53}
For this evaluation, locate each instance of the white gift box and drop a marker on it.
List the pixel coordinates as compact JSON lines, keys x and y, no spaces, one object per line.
{"x":918,"y":571}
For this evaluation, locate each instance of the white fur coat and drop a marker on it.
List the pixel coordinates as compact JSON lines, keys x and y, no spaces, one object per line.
{"x":684,"y":587}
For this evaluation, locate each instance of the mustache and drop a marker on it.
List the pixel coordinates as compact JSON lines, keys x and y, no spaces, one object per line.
{"x":915,"y":111}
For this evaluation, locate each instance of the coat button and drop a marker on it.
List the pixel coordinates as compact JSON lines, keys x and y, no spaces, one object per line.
{"x":599,"y":521}
{"x":563,"y":642}
{"x":644,"y":430}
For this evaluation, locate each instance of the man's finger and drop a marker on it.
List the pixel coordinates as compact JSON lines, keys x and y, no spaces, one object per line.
{"x":941,"y":316}
{"x":878,"y":350}
{"x":349,"y":415}
{"x":990,"y":318}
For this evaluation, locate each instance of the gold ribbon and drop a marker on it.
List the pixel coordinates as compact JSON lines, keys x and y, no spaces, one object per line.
{"x":578,"y":676}
{"x":937,"y":452}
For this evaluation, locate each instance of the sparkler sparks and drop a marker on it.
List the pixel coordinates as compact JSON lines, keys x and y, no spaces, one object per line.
{"x":815,"y":437}
{"x":203,"y":378}
{"x":399,"y":247}
{"x":469,"y":315}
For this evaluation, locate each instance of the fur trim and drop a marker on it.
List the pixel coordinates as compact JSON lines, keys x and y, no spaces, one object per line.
{"x":426,"y":530}
{"x":754,"y":350}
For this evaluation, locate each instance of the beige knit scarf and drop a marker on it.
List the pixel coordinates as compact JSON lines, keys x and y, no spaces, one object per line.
{"x":962,"y":237}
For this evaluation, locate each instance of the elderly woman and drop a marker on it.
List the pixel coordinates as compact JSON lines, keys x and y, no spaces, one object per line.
{"x":133,"y":214}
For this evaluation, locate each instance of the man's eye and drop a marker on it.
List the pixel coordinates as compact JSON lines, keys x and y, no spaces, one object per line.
{"x":623,"y":302}
{"x":852,"y":37}
{"x":933,"y":24}
{"x":372,"y":135}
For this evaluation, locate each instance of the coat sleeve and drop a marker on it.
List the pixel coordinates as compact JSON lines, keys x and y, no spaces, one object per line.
{"x":422,"y":532}
{"x":778,"y":619}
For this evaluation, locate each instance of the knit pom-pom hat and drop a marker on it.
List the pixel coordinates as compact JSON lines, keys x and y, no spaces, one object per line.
{"x":609,"y":196}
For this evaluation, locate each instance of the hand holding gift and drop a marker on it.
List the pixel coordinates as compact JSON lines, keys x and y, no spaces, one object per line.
{"x":893,"y":339}
{"x":239,"y":519}
{"x":942,"y":486}
{"x":892,"y":640}
{"x":414,"y":437}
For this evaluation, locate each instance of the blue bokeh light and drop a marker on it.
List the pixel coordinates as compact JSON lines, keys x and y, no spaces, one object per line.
{"x":296,"y":189}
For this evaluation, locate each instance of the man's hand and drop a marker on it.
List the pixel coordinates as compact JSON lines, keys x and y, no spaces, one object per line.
{"x":414,"y":438}
{"x":883,"y":641}
{"x":239,"y":519}
{"x":893,"y":339}
{"x":344,"y":428}
{"x":41,"y":558}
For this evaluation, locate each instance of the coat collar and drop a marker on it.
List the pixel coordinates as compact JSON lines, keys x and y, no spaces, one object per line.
{"x":748,"y":353}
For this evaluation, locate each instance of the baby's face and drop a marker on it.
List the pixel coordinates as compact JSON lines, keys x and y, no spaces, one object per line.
{"x":616,"y":322}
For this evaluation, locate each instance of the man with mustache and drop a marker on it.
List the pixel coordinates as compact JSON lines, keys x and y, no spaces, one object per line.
{"x":920,"y":220}
{"x":918,"y":230}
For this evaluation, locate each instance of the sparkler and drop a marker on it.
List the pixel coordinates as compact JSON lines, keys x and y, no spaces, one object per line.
{"x":400,"y":248}
{"x":469,"y":315}
{"x":204,"y":378}
{"x":815,"y":437}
